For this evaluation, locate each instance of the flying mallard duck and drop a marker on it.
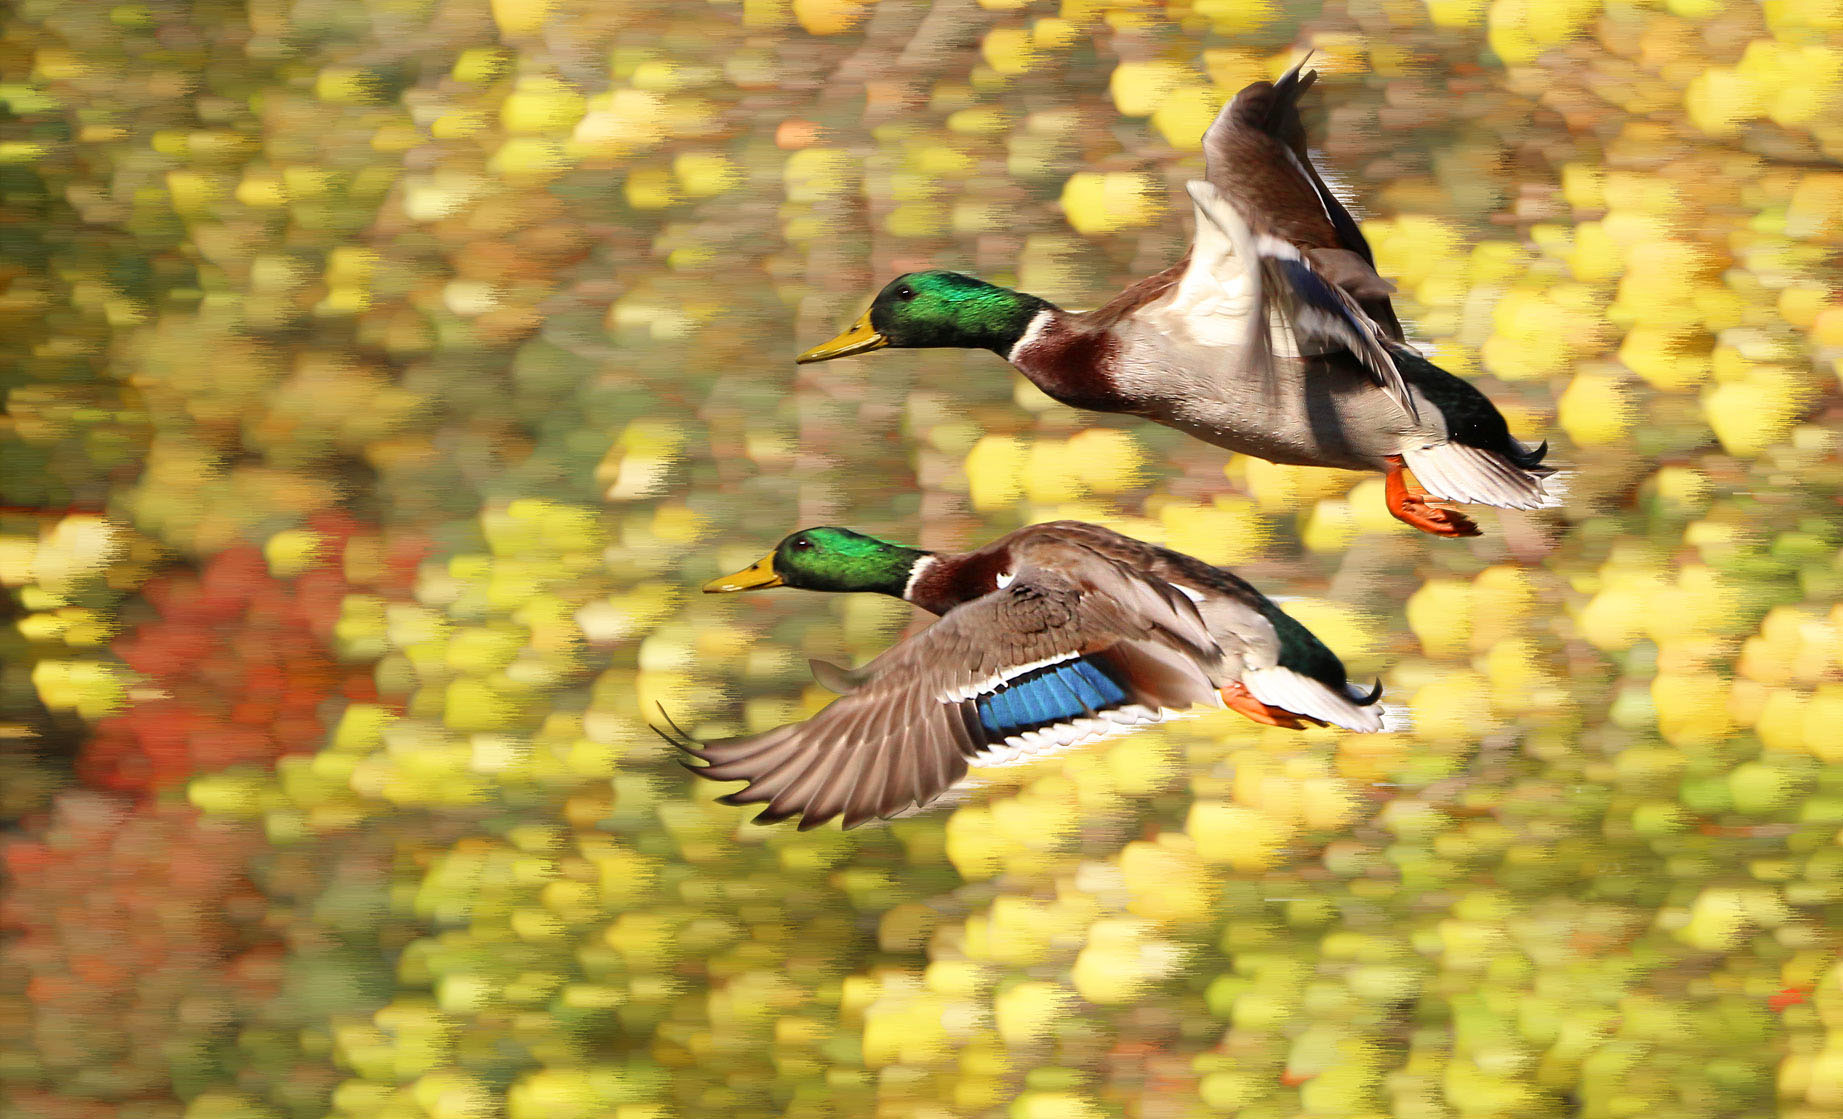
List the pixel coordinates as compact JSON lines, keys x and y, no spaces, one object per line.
{"x":1055,"y":635}
{"x":1274,"y":336}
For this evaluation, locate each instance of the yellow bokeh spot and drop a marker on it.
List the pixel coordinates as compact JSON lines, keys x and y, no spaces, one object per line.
{"x":1752,"y":413}
{"x":1029,"y":1011}
{"x":1279,"y":488}
{"x":1109,"y":201}
{"x":1720,"y":100}
{"x":1139,"y":88}
{"x":1456,"y":13}
{"x":1664,"y":356}
{"x":1692,"y":707}
{"x":1237,"y":17}
{"x":1185,"y":114}
{"x":994,"y":471}
{"x":520,"y":17}
{"x":1440,"y":614}
{"x":1229,"y":530}
{"x":1453,"y":709}
{"x":828,"y":17}
{"x":1594,"y":409}
{"x":1167,"y":881}
{"x":541,"y":105}
{"x":1124,"y":956}
{"x":1244,"y":838}
{"x":1009,"y":50}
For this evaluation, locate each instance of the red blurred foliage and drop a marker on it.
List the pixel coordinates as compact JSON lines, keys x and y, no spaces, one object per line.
{"x":135,"y":939}
{"x":243,"y":662}
{"x":1154,"y":1076}
{"x":1788,"y":997}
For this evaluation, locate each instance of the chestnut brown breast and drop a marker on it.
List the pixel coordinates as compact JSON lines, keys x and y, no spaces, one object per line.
{"x":954,"y":580}
{"x":1070,"y":365}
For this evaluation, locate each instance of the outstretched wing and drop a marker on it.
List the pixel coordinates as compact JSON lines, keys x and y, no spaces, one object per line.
{"x":1308,"y":274}
{"x":1279,"y":117}
{"x":1061,"y":655}
{"x":1285,"y":307}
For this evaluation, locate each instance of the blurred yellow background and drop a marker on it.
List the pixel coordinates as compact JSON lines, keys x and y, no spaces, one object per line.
{"x":380,"y":375}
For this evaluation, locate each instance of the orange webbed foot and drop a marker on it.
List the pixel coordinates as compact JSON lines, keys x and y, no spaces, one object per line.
{"x":1412,"y":508}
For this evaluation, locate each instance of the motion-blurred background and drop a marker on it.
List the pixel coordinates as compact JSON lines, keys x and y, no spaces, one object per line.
{"x":383,"y":376}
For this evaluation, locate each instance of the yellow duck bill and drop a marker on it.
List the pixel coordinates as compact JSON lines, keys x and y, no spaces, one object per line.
{"x":751,"y":578}
{"x":860,"y":339}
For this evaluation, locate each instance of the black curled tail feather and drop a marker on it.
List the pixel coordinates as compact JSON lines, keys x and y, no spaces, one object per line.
{"x":1531,"y":458}
{"x":1470,"y":416}
{"x":1301,"y":651}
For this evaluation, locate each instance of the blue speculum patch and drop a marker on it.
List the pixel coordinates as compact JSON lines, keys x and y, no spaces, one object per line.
{"x":1052,"y":694}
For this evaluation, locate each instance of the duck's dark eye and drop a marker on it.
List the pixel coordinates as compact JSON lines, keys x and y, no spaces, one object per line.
{"x":802,"y":544}
{"x":905,"y":293}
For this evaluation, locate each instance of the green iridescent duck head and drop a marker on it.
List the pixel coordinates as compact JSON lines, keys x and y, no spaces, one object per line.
{"x":927,"y":310}
{"x":827,"y":559}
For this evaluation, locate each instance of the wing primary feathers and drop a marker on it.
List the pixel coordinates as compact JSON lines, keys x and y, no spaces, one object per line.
{"x":866,"y":787}
{"x":731,"y":757}
{"x":794,"y":798}
{"x":848,"y":777}
{"x":684,"y":741}
{"x":902,"y":782}
{"x":837,"y":776}
{"x":771,"y":784}
{"x":667,"y":716}
{"x":968,"y":712}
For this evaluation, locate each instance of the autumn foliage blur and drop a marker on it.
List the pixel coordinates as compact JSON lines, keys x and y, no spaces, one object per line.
{"x":379,"y":374}
{"x":243,"y":662}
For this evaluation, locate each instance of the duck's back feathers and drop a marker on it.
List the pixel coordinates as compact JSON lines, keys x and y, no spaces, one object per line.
{"x":1072,"y":648}
{"x":1279,"y":661}
{"x":1140,"y":294}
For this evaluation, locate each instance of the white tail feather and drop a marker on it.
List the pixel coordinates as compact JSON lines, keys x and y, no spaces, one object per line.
{"x":1460,"y":472}
{"x":1302,"y":695}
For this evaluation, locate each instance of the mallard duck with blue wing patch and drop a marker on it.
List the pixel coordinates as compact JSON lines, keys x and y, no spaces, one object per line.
{"x":1274,"y":336}
{"x":1053,"y":636}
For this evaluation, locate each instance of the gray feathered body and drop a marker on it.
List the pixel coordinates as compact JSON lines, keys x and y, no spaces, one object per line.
{"x":1318,"y":411}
